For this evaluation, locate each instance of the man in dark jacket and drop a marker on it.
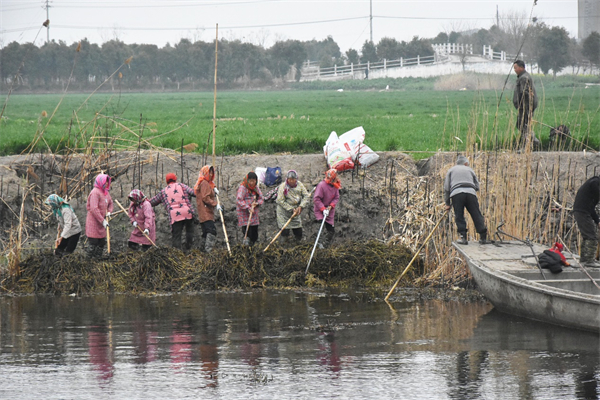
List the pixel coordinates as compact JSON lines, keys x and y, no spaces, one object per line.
{"x":460,"y":187}
{"x":584,"y":211}
{"x":525,"y":101}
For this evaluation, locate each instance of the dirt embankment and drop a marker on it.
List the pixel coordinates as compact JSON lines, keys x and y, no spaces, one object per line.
{"x":370,"y":199}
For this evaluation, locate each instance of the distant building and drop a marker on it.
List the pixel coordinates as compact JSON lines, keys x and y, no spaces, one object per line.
{"x":589,"y":17}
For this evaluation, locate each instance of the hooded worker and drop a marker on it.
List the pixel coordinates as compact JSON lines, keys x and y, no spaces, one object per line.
{"x":460,"y":188}
{"x":68,"y":225}
{"x":141,"y":215}
{"x":248,"y":200}
{"x":327,"y":195}
{"x":176,"y":199}
{"x":292,"y":198}
{"x":99,"y":206}
{"x":206,"y":201}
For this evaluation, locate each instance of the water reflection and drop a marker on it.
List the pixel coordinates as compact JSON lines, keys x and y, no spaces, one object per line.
{"x":271,"y":344}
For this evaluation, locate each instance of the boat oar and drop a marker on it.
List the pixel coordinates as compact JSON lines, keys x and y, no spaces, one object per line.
{"x":526,"y":242}
{"x":578,"y":263}
{"x":223,"y":222}
{"x":137,"y":226}
{"x":281,"y":230}
{"x":416,"y":255}
{"x":315,"y":246}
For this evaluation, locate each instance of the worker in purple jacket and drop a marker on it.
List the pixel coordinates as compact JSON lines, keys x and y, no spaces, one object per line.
{"x":327,"y":195}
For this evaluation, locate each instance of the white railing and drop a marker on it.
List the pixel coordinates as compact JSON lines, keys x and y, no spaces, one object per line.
{"x":453,"y":48}
{"x":311,"y":70}
{"x":488,"y":52}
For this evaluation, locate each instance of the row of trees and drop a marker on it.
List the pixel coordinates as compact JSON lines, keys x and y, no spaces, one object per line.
{"x":50,"y":66}
{"x":191,"y":64}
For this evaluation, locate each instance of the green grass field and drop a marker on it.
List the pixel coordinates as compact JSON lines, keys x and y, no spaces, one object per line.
{"x":297,"y":121}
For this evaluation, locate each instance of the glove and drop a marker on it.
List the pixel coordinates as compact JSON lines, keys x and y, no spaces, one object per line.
{"x":216,"y":191}
{"x":108,"y":214}
{"x":134,"y":224}
{"x":146,"y":232}
{"x":105,"y":224}
{"x":326,"y":213}
{"x":219,"y":208}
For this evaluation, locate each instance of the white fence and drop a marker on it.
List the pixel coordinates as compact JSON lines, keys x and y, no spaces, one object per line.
{"x":452,"y":48}
{"x":312,"y":71}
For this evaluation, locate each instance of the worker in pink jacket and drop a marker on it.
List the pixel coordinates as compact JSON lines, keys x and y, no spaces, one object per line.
{"x":141,"y":215}
{"x":99,"y":206}
{"x":327,"y":195}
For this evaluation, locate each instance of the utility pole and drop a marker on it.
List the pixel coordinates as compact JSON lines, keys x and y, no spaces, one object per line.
{"x":47,"y":18}
{"x":370,"y":18}
{"x":497,"y":17}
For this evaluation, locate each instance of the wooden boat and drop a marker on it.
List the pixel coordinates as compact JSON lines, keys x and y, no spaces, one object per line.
{"x":508,"y":276}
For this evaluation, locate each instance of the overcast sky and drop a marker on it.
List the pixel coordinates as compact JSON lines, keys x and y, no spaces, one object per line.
{"x":262,"y":22}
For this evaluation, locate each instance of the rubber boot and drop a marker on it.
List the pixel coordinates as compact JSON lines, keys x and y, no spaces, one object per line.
{"x":210,"y":242}
{"x":329,"y":238}
{"x":588,"y":254}
{"x":483,"y":238}
{"x":202,"y":243}
{"x":463,"y":238}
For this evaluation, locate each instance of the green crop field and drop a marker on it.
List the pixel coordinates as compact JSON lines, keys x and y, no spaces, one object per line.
{"x":297,"y":121}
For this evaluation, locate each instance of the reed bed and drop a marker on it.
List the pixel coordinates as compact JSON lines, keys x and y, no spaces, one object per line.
{"x":161,"y":270}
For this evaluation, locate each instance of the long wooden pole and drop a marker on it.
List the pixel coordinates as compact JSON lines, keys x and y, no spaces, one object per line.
{"x":416,"y":255}
{"x":140,"y":229}
{"x":281,"y":230}
{"x":248,"y":225}
{"x":215,"y":99}
{"x":578,"y":263}
{"x":107,"y":237}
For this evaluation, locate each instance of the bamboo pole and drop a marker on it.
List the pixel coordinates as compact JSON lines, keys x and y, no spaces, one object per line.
{"x":215,"y":98}
{"x":281,"y":230}
{"x":249,"y":219}
{"x":416,"y":255}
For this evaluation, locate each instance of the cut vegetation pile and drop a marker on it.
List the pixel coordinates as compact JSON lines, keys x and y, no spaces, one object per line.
{"x":160,"y":270}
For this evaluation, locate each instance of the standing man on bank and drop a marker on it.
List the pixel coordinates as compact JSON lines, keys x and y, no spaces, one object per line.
{"x":588,"y":221}
{"x":460,"y":188}
{"x":525,"y":101}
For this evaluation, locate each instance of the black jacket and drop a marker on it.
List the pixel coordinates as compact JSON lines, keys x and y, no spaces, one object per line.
{"x":587,"y":198}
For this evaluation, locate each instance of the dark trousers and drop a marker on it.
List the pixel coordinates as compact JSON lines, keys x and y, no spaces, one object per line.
{"x":252,"y":232}
{"x":328,"y":228}
{"x":208,"y":227}
{"x":97,"y":242}
{"x":297,"y":233}
{"x":586,"y":225}
{"x":68,"y":245}
{"x":136,"y":246}
{"x":177,"y":230}
{"x":469,"y":201}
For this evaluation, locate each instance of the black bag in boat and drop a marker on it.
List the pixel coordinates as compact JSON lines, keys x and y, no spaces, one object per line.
{"x":550,"y":260}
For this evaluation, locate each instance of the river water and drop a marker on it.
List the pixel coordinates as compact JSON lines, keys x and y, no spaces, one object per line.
{"x":285,"y":345}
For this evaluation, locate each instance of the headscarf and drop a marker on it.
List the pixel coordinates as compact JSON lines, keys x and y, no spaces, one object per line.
{"x":250,"y":176}
{"x":57,"y":203}
{"x":204,"y":175}
{"x":137,"y":197}
{"x":290,"y":175}
{"x":103,"y":183}
{"x":332,"y":179}
{"x":171,"y":177}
